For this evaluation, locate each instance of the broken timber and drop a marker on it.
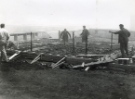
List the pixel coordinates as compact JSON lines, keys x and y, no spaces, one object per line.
{"x":36,"y":58}
{"x":59,"y":62}
{"x":94,"y":63}
{"x":56,"y":65}
{"x":106,"y":59}
{"x":75,"y":61}
{"x":14,"y":56}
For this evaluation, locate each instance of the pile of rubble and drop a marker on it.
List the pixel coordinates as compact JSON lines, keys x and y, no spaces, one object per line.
{"x":41,"y":60}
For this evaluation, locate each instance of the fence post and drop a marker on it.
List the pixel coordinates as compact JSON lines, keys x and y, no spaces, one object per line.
{"x":111,"y":41}
{"x":86,"y":46}
{"x":31,"y":42}
{"x":73,"y":34}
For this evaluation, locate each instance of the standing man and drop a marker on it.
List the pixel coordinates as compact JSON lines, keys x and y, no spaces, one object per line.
{"x":85,"y":33}
{"x":65,"y":36}
{"x":123,"y":35}
{"x":4,"y":37}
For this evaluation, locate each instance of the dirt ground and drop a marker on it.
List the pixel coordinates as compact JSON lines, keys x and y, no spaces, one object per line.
{"x":66,"y":84}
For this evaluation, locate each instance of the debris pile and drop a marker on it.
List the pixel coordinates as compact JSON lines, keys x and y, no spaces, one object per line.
{"x":42,"y":61}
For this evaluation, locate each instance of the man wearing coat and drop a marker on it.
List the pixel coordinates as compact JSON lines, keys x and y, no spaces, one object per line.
{"x":123,"y":35}
{"x":65,"y":36}
{"x":85,"y":33}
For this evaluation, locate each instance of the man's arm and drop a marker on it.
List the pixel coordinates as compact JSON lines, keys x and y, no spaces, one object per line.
{"x":114,"y":32}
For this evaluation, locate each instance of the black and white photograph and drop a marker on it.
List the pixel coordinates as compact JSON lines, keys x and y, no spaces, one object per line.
{"x":67,"y":49}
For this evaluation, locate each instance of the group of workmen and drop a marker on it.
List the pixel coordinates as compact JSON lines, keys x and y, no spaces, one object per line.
{"x":123,"y":35}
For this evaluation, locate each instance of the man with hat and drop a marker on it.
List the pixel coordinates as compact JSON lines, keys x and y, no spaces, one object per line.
{"x":4,"y":37}
{"x":123,"y":35}
{"x":85,"y":33}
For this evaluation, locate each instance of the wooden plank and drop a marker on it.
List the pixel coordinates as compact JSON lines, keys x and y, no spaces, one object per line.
{"x":55,"y":59}
{"x":14,"y":56}
{"x":91,"y":55}
{"x":71,"y":60}
{"x":79,"y":66}
{"x":60,"y":61}
{"x":36,"y":58}
{"x":87,"y":68}
{"x":95,"y":63}
{"x":56,"y":65}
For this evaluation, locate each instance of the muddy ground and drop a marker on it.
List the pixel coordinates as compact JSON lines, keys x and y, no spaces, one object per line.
{"x":66,"y":84}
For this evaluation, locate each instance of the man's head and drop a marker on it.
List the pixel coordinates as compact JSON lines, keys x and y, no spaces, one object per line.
{"x":2,"y":25}
{"x":84,"y":27}
{"x":65,"y":29}
{"x":121,"y":26}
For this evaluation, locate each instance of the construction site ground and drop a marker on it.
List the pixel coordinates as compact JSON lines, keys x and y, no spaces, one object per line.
{"x":66,"y":84}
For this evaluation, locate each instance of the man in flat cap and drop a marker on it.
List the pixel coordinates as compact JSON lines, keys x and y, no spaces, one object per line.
{"x":4,"y":37}
{"x":123,"y":35}
{"x":85,"y":34}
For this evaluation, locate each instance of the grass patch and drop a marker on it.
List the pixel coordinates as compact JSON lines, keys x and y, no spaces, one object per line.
{"x":67,"y":84}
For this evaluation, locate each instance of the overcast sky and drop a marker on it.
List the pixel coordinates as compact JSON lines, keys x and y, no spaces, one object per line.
{"x":92,"y":13}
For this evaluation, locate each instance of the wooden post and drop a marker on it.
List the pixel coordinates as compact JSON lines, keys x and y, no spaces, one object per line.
{"x":59,"y":35}
{"x":31,"y":42}
{"x":111,"y":41}
{"x":73,"y":42}
{"x":86,"y":46}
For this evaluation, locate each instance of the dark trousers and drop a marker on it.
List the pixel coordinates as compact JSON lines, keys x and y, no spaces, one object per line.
{"x":124,"y":48}
{"x":3,"y":55}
